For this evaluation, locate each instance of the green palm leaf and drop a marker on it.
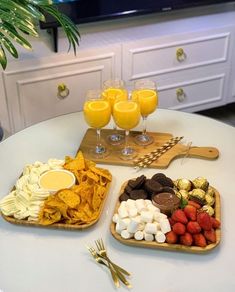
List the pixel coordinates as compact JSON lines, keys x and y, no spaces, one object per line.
{"x":21,"y":17}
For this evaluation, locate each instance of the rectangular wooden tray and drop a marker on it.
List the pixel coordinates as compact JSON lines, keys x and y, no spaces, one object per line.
{"x":25,"y":222}
{"x":179,"y":150}
{"x":167,"y":246}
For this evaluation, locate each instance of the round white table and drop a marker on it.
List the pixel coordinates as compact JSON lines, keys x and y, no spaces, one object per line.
{"x":49,"y":260}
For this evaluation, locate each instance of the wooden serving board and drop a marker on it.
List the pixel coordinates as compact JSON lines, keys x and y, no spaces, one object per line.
{"x":179,"y":150}
{"x":167,"y":246}
{"x":25,"y":222}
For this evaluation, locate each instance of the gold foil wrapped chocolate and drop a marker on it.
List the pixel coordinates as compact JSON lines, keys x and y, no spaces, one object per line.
{"x":201,"y":183}
{"x":184,"y":184}
{"x":209,"y":200}
{"x":198,"y":195}
{"x":210,"y":191}
{"x":208,"y":209}
{"x":183,"y":194}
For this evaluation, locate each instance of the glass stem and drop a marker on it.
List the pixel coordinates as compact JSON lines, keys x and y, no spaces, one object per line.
{"x":144,"y":126}
{"x":127,"y":139}
{"x":98,"y":140}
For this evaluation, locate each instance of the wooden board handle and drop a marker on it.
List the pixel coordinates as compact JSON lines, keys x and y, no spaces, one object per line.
{"x":204,"y":152}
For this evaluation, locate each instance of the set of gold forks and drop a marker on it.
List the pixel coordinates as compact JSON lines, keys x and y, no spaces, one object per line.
{"x":100,"y":256}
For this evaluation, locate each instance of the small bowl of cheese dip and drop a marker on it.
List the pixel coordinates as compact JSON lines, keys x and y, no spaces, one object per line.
{"x":56,"y":179}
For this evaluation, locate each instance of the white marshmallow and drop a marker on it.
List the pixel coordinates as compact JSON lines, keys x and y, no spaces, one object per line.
{"x":123,"y":222}
{"x":137,"y":218}
{"x":132,"y":211}
{"x":123,"y":204}
{"x":165,"y":225}
{"x":146,"y":216}
{"x":147,"y":202}
{"x":139,"y":235}
{"x":132,"y":226}
{"x":160,"y":237}
{"x":148,"y":237}
{"x":115,"y":218}
{"x":153,"y":208}
{"x":140,"y":205}
{"x":151,"y":228}
{"x":122,"y":212}
{"x":118,"y":228}
{"x":130,"y":203}
{"x":126,"y":235}
{"x":159,"y":216}
{"x":141,"y":226}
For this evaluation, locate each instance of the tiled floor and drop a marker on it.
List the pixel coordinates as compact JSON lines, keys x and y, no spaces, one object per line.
{"x":224,"y":114}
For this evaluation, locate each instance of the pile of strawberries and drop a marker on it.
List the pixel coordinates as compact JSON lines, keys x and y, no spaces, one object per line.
{"x":191,"y":226}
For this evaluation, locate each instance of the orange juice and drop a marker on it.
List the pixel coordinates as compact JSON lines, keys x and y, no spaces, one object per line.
{"x":147,"y":99}
{"x":114,"y":94}
{"x":126,"y":114}
{"x":97,"y":113}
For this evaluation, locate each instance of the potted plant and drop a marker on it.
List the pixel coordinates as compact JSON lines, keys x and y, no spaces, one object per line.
{"x":20,"y":18}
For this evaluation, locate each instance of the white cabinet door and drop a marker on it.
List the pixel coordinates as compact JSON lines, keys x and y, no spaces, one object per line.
{"x":32,"y":91}
{"x":197,"y":63}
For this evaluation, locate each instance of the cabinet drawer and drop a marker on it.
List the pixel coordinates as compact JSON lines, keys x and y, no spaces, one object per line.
{"x":193,"y":95}
{"x":32,"y":91}
{"x":163,"y":55}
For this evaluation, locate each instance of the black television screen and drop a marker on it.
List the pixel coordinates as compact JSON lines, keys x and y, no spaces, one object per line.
{"x":82,"y":11}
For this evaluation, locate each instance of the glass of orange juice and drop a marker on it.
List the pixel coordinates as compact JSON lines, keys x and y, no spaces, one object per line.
{"x":114,"y":90}
{"x":146,"y":94}
{"x":126,"y":114}
{"x":97,"y":113}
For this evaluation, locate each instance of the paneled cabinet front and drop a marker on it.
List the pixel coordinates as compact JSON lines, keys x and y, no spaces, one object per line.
{"x":191,"y":70}
{"x":50,"y":89}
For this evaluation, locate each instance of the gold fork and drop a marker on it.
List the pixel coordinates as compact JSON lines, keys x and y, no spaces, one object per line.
{"x":102,"y":251}
{"x":99,"y":260}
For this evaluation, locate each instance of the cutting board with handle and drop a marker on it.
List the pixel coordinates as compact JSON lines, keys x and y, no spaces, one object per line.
{"x":179,"y":150}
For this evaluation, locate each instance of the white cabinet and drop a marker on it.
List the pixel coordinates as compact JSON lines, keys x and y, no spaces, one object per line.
{"x":191,"y":58}
{"x":32,"y":91}
{"x":191,"y":70}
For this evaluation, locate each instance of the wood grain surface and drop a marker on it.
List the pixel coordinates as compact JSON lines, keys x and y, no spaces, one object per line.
{"x":179,"y":150}
{"x":167,"y":246}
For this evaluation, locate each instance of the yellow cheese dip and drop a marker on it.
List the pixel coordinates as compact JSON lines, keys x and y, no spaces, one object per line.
{"x":54,"y":180}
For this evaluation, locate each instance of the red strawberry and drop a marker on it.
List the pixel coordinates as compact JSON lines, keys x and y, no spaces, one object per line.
{"x":199,"y":240}
{"x":190,"y":212}
{"x":186,"y":239}
{"x":171,"y":237}
{"x":210,"y":235}
{"x":179,"y":228}
{"x":193,"y":227}
{"x":204,"y":220}
{"x":215,"y":222}
{"x":171,"y":221}
{"x":179,"y":216}
{"x":195,"y":204}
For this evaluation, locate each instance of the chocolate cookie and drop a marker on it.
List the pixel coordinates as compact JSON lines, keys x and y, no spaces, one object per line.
{"x":128,"y":189}
{"x":124,"y":197}
{"x":158,"y":176}
{"x":138,"y":194}
{"x":152,"y":186}
{"x":165,"y":182}
{"x":137,"y":183}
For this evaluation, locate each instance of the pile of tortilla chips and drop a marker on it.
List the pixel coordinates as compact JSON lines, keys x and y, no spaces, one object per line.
{"x":80,"y":204}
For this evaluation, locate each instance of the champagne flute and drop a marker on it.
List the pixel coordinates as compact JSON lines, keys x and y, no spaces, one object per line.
{"x":97,"y":113}
{"x":146,"y":94}
{"x":114,"y":90}
{"x":126,"y":114}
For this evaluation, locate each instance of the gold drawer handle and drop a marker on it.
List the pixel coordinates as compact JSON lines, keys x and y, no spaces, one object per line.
{"x":180,"y":55}
{"x":180,"y":94}
{"x":63,"y":91}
